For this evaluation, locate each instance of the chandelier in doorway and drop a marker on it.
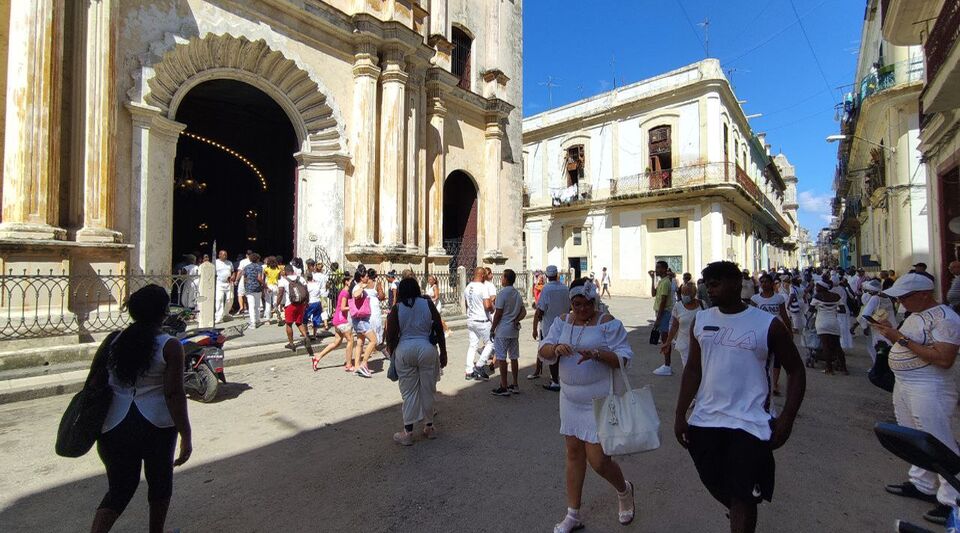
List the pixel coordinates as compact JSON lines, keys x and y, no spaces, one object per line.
{"x":186,"y":183}
{"x":242,"y":158}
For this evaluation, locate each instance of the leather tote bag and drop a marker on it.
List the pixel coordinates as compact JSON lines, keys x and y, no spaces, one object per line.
{"x":82,"y":420}
{"x":627,"y":423}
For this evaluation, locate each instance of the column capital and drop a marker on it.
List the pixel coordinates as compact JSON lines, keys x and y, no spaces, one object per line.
{"x":149,"y":117}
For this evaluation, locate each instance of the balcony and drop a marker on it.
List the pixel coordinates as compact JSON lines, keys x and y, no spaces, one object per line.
{"x":681,"y":179}
{"x":942,"y":91}
{"x":877,"y":82}
{"x":576,"y":193}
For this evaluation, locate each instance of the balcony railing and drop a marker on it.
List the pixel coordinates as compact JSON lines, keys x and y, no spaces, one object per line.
{"x":693,"y":176}
{"x":942,"y":38}
{"x":883,"y":78}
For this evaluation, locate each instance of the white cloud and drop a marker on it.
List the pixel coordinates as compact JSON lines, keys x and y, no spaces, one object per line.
{"x":816,"y":204}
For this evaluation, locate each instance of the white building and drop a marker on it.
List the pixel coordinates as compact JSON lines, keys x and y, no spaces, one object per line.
{"x":666,"y":168}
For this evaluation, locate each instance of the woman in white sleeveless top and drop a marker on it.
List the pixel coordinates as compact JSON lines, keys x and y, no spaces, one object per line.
{"x":589,"y":345}
{"x":409,"y":326}
{"x":148,"y":411}
{"x":828,"y":306}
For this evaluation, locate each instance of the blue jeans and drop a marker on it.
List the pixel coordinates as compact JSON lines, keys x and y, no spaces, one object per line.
{"x":312,"y":315}
{"x":664,"y":323}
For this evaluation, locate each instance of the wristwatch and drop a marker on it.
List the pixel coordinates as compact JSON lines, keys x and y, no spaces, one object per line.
{"x":903,"y":341}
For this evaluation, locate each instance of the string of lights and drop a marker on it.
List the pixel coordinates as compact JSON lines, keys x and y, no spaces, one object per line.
{"x":234,"y":153}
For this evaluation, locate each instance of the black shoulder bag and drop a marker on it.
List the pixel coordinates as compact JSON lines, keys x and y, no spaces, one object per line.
{"x":81,"y":422}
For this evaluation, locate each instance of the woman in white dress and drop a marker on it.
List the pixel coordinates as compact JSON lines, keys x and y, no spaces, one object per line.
{"x":433,"y":291}
{"x":680,"y":320}
{"x":590,"y":345}
{"x":827,"y":303}
{"x":843,"y":312}
{"x":376,"y":295}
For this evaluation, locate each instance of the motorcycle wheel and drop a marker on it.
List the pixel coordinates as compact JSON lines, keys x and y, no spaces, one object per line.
{"x":208,"y":384}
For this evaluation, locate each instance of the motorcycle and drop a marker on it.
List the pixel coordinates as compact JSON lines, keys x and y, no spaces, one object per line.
{"x":925,"y":451}
{"x":203,"y":354}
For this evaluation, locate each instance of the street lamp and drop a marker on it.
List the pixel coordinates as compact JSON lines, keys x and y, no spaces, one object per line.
{"x":837,"y":138}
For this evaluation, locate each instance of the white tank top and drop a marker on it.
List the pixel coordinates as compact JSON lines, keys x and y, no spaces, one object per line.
{"x":146,"y":393}
{"x":735,"y":386}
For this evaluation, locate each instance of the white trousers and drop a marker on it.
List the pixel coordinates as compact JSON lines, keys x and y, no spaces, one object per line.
{"x":479,"y":335}
{"x":417,"y":366}
{"x":928,"y":406}
{"x":269,"y":298}
{"x":253,"y":307}
{"x":224,"y":301}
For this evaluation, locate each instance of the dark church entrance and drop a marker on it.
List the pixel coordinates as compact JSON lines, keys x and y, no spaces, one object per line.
{"x":234,"y":173}
{"x":460,"y":219}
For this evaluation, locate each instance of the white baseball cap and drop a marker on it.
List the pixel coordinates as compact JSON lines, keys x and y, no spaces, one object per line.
{"x":908,"y":283}
{"x":872,"y":285}
{"x":551,"y":271}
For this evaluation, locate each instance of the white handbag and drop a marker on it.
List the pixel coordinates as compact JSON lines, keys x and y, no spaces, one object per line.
{"x":627,"y":423}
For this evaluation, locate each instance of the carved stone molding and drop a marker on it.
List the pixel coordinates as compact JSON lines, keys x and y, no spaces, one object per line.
{"x":177,"y":63}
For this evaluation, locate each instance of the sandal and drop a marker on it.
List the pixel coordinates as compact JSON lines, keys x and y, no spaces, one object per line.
{"x":430,"y":432}
{"x":569,"y":524}
{"x":626,"y":516}
{"x":315,"y":363}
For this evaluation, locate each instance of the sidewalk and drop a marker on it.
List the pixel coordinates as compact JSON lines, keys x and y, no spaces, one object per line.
{"x":46,"y":378}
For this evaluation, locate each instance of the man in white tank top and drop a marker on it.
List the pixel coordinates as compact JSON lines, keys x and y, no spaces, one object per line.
{"x":732,"y":432}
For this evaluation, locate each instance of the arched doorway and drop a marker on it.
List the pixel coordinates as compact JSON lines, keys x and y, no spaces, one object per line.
{"x":239,"y":143}
{"x":460,"y":219}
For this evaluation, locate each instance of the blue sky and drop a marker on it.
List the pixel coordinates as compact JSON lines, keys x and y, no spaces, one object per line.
{"x":581,"y":43}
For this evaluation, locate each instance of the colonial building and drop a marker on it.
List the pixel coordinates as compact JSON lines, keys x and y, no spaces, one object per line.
{"x":931,"y":25}
{"x":667,"y":168}
{"x":382,"y":131}
{"x":881,"y":183}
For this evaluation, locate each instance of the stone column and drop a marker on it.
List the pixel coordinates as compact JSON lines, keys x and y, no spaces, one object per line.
{"x":413,"y":177}
{"x":99,"y":121}
{"x":491,"y":202}
{"x":31,"y":163}
{"x":363,"y":142}
{"x":154,"y":148}
{"x":393,"y":86}
{"x":436,"y":166}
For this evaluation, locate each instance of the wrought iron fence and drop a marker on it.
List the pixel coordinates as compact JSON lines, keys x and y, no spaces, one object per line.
{"x":44,"y":305}
{"x":685,"y":176}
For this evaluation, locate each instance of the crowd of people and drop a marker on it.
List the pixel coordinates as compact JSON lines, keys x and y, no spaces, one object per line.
{"x":734,"y":332}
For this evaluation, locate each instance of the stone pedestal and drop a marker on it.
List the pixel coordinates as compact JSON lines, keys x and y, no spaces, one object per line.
{"x":31,"y":164}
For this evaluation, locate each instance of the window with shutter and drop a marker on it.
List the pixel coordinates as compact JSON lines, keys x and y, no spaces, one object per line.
{"x":462,"y":46}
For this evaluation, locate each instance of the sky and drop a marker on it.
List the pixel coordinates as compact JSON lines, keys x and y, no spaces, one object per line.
{"x":792,"y":72}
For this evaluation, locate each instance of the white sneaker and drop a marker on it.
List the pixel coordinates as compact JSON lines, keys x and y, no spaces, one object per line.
{"x":664,"y":370}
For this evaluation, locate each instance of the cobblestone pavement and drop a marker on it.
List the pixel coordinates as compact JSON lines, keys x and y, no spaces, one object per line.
{"x":287,"y":449}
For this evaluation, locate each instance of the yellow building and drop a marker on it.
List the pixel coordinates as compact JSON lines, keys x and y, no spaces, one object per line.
{"x":667,"y":168}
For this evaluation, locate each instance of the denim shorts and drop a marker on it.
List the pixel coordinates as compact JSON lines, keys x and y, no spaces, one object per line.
{"x":664,"y":324}
{"x":360,"y":326}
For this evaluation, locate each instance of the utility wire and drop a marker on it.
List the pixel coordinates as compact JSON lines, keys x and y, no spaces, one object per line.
{"x":812,"y":51}
{"x":692,"y":27}
{"x":799,"y":120}
{"x":772,"y":37}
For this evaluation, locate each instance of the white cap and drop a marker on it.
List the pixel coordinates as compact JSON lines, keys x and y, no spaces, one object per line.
{"x":552,"y":271}
{"x":872,"y":285}
{"x":908,"y":283}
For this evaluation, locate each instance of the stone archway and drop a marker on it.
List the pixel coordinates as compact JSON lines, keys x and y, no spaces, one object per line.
{"x":177,"y":65}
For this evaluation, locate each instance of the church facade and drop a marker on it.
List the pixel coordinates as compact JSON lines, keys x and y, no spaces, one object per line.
{"x":379,"y":131}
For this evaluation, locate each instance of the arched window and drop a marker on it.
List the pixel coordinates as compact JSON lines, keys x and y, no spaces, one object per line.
{"x":462,"y":45}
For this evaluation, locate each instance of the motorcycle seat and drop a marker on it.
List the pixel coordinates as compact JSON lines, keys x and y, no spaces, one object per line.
{"x":921,"y":449}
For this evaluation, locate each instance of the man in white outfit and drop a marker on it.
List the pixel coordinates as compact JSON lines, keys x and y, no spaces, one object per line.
{"x":241,"y":286}
{"x":479,"y":305}
{"x":925,"y":395}
{"x":225,"y":279}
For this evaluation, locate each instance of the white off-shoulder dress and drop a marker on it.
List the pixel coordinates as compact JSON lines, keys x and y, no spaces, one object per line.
{"x":581,"y":384}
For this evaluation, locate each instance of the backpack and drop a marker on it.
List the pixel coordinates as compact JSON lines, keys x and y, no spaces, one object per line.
{"x":360,"y":307}
{"x":297,"y":291}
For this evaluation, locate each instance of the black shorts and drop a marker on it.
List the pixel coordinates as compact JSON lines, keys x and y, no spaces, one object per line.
{"x":732,"y":463}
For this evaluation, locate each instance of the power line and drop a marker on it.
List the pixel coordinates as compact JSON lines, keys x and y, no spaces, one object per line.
{"x":772,"y":37}
{"x":812,"y":51}
{"x":692,"y":28}
{"x":799,"y":120}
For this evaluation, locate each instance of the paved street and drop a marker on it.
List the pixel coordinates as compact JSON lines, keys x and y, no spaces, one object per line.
{"x":287,"y":449}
